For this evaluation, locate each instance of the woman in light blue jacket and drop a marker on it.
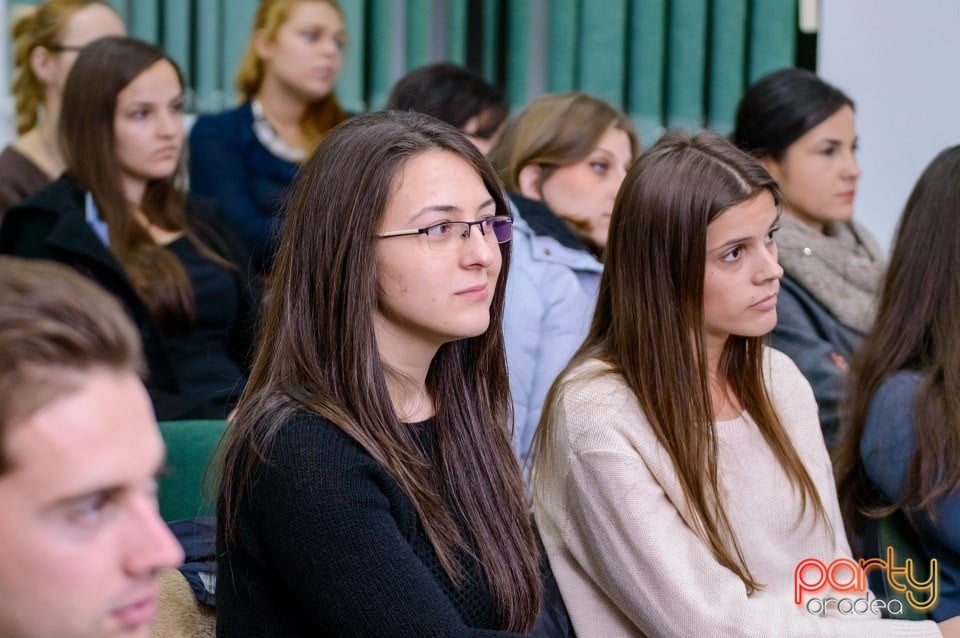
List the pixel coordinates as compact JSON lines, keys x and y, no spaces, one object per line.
{"x":562,"y":159}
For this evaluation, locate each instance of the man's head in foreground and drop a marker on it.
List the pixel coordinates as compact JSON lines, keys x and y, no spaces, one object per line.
{"x":82,"y":541}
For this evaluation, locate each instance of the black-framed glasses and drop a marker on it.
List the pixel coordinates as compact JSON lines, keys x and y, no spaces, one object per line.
{"x":451,"y":235}
{"x":60,"y":48}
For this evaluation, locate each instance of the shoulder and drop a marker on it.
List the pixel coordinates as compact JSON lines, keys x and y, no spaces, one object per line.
{"x":785,"y":382}
{"x":231,"y":118}
{"x":892,"y":403}
{"x":596,"y":406}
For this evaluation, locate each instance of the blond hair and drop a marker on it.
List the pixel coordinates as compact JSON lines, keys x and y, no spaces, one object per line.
{"x":39,"y":26}
{"x":320,"y":116}
{"x":553,"y":131}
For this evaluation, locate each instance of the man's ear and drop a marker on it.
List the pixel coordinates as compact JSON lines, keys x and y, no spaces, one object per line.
{"x":529,"y":181}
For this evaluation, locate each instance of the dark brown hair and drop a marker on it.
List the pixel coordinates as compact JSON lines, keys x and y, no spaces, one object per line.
{"x":915,"y":329}
{"x":318,"y":353}
{"x":102,"y":70}
{"x":55,"y":325}
{"x":648,"y":325}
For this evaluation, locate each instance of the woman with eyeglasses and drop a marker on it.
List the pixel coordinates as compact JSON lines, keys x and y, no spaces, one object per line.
{"x":46,"y":40}
{"x":367,"y":484}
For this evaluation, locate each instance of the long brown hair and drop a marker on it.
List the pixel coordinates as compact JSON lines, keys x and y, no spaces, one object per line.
{"x":318,"y":353}
{"x":648,"y":325}
{"x":915,"y":329}
{"x":102,"y":69}
{"x":320,"y":116}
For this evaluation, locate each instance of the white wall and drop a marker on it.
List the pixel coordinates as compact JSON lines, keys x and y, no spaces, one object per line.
{"x":897,"y":60}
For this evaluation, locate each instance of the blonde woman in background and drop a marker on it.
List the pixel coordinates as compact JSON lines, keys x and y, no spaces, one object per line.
{"x":46,"y":40}
{"x":246,"y":157}
{"x":562,"y":159}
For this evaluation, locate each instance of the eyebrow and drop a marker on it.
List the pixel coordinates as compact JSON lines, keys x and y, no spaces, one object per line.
{"x":733,"y":242}
{"x":448,"y":208}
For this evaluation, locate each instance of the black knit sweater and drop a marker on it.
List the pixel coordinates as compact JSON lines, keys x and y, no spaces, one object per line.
{"x":329,"y":545}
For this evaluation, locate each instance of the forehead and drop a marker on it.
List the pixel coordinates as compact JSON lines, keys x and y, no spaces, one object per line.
{"x":747,"y":220}
{"x":839,"y":126}
{"x":91,"y":23}
{"x":102,"y":435}
{"x":616,"y":141}
{"x":313,"y":12}
{"x":435,"y":178}
{"x":159,"y":81}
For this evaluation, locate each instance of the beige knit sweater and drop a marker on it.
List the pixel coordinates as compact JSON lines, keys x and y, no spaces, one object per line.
{"x":618,"y":534}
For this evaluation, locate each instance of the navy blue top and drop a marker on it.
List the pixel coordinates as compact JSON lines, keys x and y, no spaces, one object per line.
{"x":886,"y":448}
{"x":248,"y":182}
{"x":809,"y":333}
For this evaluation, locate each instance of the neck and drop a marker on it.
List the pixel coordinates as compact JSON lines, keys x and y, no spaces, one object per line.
{"x":725,"y":405}
{"x":411,"y":362}
{"x":40,"y":145}
{"x":282,"y":107}
{"x":133,"y":190}
{"x":812,"y":222}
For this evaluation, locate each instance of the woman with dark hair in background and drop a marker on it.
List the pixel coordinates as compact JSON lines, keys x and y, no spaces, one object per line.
{"x":803,"y":130}
{"x":900,"y":450}
{"x":562,"y":159}
{"x":246,"y":157}
{"x":119,"y":216}
{"x":679,"y":474}
{"x":46,"y":39}
{"x":368,"y":486}
{"x":455,"y":95}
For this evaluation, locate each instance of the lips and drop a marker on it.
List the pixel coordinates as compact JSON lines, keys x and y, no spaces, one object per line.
{"x":478,"y":292}
{"x":137,"y":613}
{"x":766,"y":303}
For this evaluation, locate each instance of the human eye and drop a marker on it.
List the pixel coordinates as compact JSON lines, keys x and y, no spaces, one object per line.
{"x":829,"y":151}
{"x":341,"y":42}
{"x":138,"y":113}
{"x":177,"y":106}
{"x":91,"y":510}
{"x":311,"y":35}
{"x":769,"y":237}
{"x":732,"y":255}
{"x":441,"y":229}
{"x":600,"y":167}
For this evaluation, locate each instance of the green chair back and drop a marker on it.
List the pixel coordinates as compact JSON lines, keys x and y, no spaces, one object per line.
{"x":895,"y":531}
{"x":190,"y":447}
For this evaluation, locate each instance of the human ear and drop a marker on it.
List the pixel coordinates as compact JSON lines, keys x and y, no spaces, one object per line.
{"x":262,"y":45}
{"x":773,"y":167}
{"x":529,"y":181}
{"x":41,"y":63}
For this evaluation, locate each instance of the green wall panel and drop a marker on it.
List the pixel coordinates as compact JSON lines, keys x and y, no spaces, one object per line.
{"x":728,"y":55}
{"x":603,"y":41}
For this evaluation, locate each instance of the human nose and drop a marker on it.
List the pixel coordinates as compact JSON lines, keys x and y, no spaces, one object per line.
{"x":479,"y":248}
{"x":152,"y":546}
{"x":170,"y":124}
{"x":851,"y":166}
{"x":769,"y":268}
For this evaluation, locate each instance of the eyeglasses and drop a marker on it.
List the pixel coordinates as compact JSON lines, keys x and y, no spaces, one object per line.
{"x":451,"y":235}
{"x":60,"y":48}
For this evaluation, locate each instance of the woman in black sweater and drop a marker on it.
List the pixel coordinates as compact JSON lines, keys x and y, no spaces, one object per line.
{"x":368,"y":486}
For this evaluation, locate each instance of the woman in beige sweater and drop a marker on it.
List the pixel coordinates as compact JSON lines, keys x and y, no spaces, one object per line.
{"x":680,"y":476}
